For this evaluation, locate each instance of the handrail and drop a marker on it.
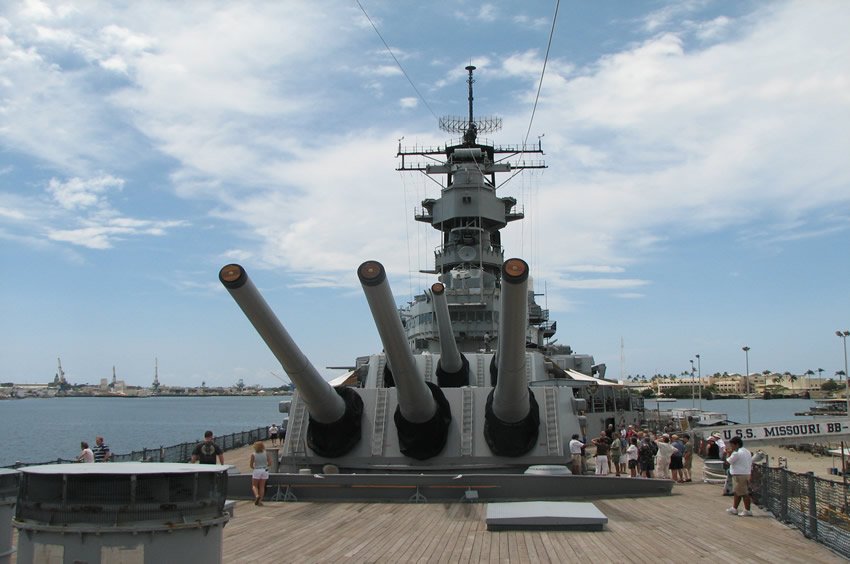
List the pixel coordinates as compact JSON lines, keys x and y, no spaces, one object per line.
{"x":181,"y":452}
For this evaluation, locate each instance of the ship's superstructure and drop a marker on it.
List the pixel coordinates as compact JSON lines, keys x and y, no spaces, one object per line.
{"x":467,"y":380}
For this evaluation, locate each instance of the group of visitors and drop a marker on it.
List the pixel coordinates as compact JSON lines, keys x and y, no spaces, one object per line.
{"x":100,"y":452}
{"x":666,"y":456}
{"x":636,"y":453}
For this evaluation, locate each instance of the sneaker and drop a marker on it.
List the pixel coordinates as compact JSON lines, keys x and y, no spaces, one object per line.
{"x":745,"y":513}
{"x":732,"y":511}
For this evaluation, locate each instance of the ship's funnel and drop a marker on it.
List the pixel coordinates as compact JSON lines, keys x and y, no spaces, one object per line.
{"x":335,"y":413}
{"x":453,"y":367}
{"x":423,"y":414}
{"x":511,"y":418}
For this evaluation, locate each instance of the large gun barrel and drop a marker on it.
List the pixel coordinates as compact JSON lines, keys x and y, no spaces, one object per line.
{"x":423,"y":415}
{"x":453,"y":367}
{"x":510,"y":400}
{"x":334,"y":414}
{"x":511,"y":418}
{"x":414,"y":399}
{"x":322,"y":401}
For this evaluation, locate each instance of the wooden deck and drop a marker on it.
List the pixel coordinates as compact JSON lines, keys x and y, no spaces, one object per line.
{"x":690,"y":525}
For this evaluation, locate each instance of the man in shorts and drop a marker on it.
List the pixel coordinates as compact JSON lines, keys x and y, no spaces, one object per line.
{"x":687,"y":458}
{"x":740,"y":467}
{"x":575,"y":455}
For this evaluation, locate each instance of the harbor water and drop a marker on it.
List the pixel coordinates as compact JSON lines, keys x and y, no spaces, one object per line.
{"x":761,"y":410}
{"x":38,"y":430}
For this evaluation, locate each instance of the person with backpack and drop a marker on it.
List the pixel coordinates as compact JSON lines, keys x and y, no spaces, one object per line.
{"x":646,"y":457}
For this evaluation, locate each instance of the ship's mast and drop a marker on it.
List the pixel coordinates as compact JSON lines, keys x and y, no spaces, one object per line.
{"x":471,"y":131}
{"x":470,"y":215}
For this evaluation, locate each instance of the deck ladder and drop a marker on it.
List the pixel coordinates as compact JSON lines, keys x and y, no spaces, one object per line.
{"x":297,"y":442}
{"x":380,"y":424}
{"x":553,"y":437}
{"x":468,"y":400}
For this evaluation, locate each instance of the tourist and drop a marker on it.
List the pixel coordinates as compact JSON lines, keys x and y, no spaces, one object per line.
{"x":677,"y":459}
{"x":632,"y":455}
{"x":576,"y":447}
{"x":740,"y":467}
{"x":101,"y":451}
{"x":721,"y":444}
{"x":273,"y":431}
{"x":646,"y":457}
{"x":687,"y":457}
{"x":86,"y":454}
{"x":615,"y":449}
{"x":260,"y":462}
{"x":713,"y":450}
{"x":207,"y":451}
{"x":624,"y":458}
{"x":662,"y":459}
{"x":601,"y":443}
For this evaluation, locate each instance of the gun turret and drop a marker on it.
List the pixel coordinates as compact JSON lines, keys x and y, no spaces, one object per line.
{"x":511,"y":416}
{"x":423,"y":414}
{"x":453,"y":367}
{"x":335,"y":413}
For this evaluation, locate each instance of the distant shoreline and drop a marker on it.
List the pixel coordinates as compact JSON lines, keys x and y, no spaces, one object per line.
{"x":135,"y":396}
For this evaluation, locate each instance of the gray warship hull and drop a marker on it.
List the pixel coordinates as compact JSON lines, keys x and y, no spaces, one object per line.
{"x":468,"y":383}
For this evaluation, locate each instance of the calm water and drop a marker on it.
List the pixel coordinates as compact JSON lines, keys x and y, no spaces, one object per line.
{"x":38,"y":430}
{"x":736,"y":409}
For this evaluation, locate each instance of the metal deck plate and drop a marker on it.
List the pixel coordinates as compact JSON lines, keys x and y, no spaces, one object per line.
{"x":545,"y":515}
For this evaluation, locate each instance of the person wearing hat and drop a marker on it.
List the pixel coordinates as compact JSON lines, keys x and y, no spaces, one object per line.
{"x":713,"y":451}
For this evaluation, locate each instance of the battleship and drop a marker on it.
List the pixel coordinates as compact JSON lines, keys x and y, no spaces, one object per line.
{"x":469,"y":380}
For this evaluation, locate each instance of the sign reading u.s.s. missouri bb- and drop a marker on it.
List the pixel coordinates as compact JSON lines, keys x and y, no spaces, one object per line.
{"x":798,"y":429}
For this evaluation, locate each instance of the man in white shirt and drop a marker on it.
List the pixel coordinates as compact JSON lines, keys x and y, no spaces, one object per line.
{"x":740,"y":467}
{"x":575,"y":452}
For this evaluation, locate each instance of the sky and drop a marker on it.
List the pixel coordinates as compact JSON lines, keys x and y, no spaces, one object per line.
{"x":696,"y":200}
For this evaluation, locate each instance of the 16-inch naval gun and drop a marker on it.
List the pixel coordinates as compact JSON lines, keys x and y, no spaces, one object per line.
{"x":469,"y":379}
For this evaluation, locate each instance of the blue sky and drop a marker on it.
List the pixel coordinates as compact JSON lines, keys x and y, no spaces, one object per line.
{"x":696,"y":198}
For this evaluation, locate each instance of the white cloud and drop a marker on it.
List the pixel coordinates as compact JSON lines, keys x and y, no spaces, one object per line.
{"x":409,"y":102}
{"x":103,"y":235}
{"x":79,"y":193}
{"x":668,"y":139}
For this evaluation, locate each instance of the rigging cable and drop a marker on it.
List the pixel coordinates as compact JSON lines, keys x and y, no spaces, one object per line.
{"x":390,"y":51}
{"x":543,"y":72}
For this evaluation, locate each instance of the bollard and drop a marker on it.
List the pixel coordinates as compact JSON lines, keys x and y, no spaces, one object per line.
{"x":783,"y":496}
{"x":813,"y":506}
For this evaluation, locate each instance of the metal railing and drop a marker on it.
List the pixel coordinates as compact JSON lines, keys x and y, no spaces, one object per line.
{"x":816,"y":506}
{"x":175,"y":453}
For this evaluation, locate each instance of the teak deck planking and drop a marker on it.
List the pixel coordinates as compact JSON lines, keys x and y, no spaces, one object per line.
{"x":690,"y":525}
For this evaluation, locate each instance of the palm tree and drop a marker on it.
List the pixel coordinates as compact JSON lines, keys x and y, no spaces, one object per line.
{"x":793,"y":379}
{"x":809,"y":373}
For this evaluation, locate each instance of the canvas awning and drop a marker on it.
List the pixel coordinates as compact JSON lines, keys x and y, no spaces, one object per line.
{"x":585,"y":378}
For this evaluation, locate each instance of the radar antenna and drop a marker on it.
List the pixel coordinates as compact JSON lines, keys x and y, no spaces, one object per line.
{"x":470,"y":127}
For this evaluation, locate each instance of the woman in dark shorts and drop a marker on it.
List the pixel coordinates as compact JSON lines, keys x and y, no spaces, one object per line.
{"x":676,"y":466}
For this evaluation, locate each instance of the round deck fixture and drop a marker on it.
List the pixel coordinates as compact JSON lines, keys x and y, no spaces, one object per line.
{"x":8,"y":494}
{"x":132,"y":511}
